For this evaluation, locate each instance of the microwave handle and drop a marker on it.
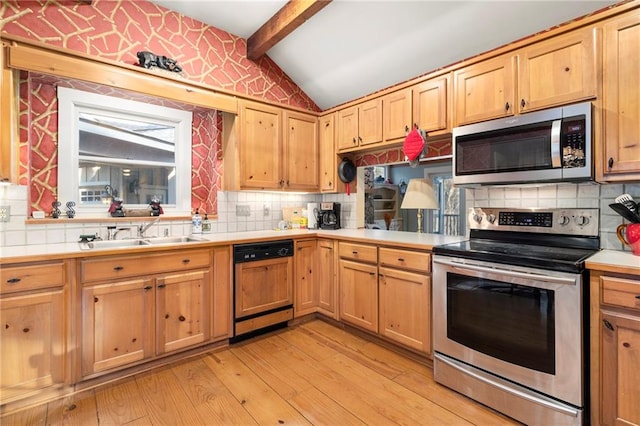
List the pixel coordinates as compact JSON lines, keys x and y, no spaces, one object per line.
{"x":556,"y":155}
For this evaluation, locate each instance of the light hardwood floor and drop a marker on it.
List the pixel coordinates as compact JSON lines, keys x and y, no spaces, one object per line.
{"x":313,"y":373}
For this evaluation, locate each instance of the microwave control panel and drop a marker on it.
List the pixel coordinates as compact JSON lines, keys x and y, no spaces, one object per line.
{"x":573,"y":142}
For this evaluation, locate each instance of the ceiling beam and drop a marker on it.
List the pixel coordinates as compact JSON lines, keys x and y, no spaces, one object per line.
{"x":284,"y":22}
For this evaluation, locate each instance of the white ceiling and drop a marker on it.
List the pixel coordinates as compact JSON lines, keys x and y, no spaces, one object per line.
{"x":352,"y":48}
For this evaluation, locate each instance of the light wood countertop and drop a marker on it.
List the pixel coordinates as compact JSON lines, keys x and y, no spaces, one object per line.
{"x":614,"y":261}
{"x":40,"y":252}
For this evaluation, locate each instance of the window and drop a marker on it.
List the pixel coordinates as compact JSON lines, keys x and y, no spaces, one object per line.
{"x":112,"y":147}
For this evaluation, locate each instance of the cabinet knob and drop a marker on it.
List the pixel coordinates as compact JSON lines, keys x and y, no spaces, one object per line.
{"x":626,"y":344}
{"x":118,"y":268}
{"x":522,"y":103}
{"x":567,"y":69}
{"x":147,"y":288}
{"x":162,"y":285}
{"x":401,"y":259}
{"x":181,"y":318}
{"x":610,"y":162}
{"x":13,"y":280}
{"x":607,"y":324}
{"x":354,"y":141}
{"x":360,"y":138}
{"x":507,"y":106}
{"x":185,"y":261}
{"x":25,"y":330}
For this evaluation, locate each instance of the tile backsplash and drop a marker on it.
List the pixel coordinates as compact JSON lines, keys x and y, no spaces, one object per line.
{"x":558,"y":196}
{"x":265,"y":211}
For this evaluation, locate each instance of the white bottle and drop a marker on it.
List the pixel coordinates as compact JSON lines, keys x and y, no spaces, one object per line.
{"x":196,"y":223}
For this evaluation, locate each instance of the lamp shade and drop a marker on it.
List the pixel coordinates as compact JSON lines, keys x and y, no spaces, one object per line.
{"x":419,"y":195}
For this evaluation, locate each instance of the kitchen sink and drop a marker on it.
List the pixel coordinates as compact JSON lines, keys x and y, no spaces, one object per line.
{"x":172,"y":240}
{"x":136,"y":242}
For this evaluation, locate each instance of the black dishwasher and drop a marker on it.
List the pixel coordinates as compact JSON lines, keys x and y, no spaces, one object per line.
{"x":263,"y":287}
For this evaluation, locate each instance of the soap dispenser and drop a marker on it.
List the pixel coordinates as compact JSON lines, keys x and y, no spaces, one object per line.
{"x":206,"y":225}
{"x":196,"y":223}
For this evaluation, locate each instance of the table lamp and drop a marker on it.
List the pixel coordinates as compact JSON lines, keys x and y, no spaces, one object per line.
{"x":419,"y":195}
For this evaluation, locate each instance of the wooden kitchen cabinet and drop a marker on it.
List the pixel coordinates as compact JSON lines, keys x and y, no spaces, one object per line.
{"x":358,"y":284}
{"x":138,"y":307}
{"x":260,"y":148}
{"x":222,"y":294}
{"x":329,"y":161}
{"x":33,"y":336}
{"x":117,"y":324}
{"x":396,"y":116}
{"x":484,"y":90}
{"x":181,"y":310}
{"x":305,"y":286}
{"x":431,"y":105}
{"x":615,"y":348}
{"x":360,"y":126}
{"x":301,"y":157}
{"x":271,"y":158}
{"x":620,"y":159}
{"x":326,"y":279}
{"x":405,"y":297}
{"x":557,"y":71}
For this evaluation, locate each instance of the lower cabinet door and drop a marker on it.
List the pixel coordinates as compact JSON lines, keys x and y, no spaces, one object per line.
{"x":326,"y":278}
{"x":181,"y":310}
{"x":359,"y":294}
{"x":619,"y":372}
{"x":117,"y":324}
{"x":32,"y":349}
{"x":405,"y":308}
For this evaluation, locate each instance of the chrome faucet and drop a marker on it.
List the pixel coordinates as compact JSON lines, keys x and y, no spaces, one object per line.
{"x":143,"y":228}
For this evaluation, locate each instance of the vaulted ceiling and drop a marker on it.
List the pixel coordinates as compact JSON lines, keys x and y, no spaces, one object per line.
{"x":345,"y":49}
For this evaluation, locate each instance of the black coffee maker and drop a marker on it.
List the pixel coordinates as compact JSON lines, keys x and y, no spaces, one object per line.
{"x":329,"y":216}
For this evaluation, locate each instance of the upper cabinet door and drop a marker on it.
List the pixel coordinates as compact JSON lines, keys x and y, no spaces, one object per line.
{"x":396,"y":115}
{"x":301,"y":151}
{"x":329,"y":161}
{"x":557,"y":71}
{"x":430,"y":106}
{"x":484,"y":90}
{"x":621,"y":94}
{"x":260,"y":147}
{"x":370,"y":122}
{"x":347,"y":129}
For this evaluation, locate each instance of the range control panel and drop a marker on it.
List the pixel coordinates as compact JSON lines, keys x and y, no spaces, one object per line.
{"x":578,"y":221}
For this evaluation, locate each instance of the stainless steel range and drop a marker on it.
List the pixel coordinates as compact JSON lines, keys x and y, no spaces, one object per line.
{"x":510,"y":312}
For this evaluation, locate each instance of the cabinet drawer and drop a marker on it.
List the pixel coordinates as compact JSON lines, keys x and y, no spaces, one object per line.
{"x":621,"y":292}
{"x":30,"y":277}
{"x":121,"y":266}
{"x":405,"y":259}
{"x":361,"y":252}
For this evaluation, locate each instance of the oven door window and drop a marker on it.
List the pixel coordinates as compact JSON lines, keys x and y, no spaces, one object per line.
{"x":510,"y":322}
{"x":517,"y":149}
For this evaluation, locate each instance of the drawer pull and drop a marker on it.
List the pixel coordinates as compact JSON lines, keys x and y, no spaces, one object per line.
{"x":185,"y":261}
{"x":372,"y":273}
{"x":181,"y":318}
{"x":355,"y":253}
{"x":162,"y":285}
{"x":14,"y":280}
{"x":638,"y":297}
{"x":147,"y":287}
{"x":118,"y":268}
{"x":401,"y":259}
{"x":608,"y":324}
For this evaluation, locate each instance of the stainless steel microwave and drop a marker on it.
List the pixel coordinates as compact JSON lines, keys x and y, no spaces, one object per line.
{"x":553,"y":145}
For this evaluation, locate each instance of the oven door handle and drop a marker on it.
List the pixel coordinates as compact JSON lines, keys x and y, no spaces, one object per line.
{"x":527,"y":275}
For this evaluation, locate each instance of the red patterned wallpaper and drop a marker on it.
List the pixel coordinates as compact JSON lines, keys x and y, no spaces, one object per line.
{"x":117,"y":30}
